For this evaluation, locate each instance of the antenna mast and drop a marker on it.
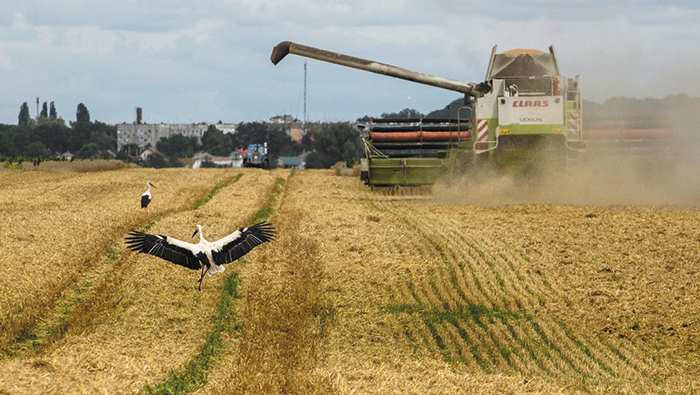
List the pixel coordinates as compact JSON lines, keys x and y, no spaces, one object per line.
{"x":304,"y":127}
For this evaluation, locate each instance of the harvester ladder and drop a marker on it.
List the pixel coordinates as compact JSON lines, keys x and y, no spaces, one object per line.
{"x":573,"y":123}
{"x":482,"y":133}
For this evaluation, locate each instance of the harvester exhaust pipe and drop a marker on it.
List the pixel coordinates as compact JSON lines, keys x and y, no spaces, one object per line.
{"x":286,"y":47}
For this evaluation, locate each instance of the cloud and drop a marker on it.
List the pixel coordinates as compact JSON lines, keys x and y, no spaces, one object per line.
{"x":208,"y":61}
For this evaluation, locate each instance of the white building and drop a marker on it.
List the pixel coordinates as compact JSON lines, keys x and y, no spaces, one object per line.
{"x":227,"y":128}
{"x":143,"y":134}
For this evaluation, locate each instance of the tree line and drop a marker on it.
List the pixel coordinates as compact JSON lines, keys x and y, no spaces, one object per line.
{"x":49,"y":137}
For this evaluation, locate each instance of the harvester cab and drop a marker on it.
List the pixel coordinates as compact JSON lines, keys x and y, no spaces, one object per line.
{"x":525,"y":115}
{"x":532,"y":116}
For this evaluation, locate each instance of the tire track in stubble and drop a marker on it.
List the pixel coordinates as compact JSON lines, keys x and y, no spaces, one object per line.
{"x":583,"y":361}
{"x":195,"y":375}
{"x":78,"y":303}
{"x":480,"y":291}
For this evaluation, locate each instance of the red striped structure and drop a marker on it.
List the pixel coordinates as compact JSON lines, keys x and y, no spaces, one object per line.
{"x":482,"y":131}
{"x":400,"y":137}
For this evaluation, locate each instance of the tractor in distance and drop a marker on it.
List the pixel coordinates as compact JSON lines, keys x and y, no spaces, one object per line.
{"x":256,"y":156}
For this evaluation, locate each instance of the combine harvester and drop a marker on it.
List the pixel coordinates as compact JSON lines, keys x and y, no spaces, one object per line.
{"x":527,"y":119}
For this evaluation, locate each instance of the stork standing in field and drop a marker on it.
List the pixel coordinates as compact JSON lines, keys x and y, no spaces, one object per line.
{"x":147,"y":196}
{"x":205,"y":255}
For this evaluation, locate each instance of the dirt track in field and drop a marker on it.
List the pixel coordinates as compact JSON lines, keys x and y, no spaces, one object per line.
{"x":371,"y":293}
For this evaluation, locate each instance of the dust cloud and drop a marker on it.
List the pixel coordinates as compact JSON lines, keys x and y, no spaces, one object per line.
{"x":643,"y":169}
{"x":668,"y":175}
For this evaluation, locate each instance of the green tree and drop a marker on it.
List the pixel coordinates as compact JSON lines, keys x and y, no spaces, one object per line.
{"x":216,"y":142}
{"x":254,"y":133}
{"x":22,"y":136}
{"x":81,"y":129}
{"x":37,"y":149}
{"x":79,"y":135}
{"x":44,"y":111}
{"x":24,"y":117}
{"x":178,"y":146}
{"x":104,"y":135}
{"x":406,"y":113}
{"x":158,"y":161}
{"x":82,"y":115}
{"x":54,"y":135}
{"x":333,"y":143}
{"x":174,"y":161}
{"x":104,"y":141}
{"x":455,"y":110}
{"x":88,"y":151}
{"x":52,"y":111}
{"x":7,"y":147}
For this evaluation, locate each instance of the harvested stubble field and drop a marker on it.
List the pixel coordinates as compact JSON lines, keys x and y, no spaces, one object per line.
{"x":362,"y":292}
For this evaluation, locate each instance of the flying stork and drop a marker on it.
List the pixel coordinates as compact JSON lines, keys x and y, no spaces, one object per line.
{"x":146,"y":197}
{"x":207,"y":256}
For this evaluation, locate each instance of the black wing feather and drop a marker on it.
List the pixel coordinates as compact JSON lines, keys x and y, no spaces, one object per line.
{"x":145,"y":200}
{"x":159,"y":246}
{"x":248,"y":239}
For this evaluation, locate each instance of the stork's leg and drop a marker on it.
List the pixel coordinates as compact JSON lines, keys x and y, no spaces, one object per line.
{"x":200,"y":279}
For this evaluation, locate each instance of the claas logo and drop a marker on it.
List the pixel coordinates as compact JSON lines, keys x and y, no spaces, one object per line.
{"x":531,"y":103}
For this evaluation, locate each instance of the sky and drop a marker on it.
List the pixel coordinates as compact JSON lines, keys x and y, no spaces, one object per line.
{"x":185,"y":61}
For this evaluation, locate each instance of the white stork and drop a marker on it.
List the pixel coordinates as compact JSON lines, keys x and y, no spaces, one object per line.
{"x":146,"y":197}
{"x":209,"y":256}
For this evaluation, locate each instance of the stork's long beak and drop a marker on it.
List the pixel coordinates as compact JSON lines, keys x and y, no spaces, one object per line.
{"x":153,"y":185}
{"x":195,"y":232}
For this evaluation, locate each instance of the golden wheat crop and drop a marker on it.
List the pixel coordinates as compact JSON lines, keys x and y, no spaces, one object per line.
{"x":56,"y":227}
{"x":470,"y":288}
{"x":151,"y":318}
{"x":362,"y":292}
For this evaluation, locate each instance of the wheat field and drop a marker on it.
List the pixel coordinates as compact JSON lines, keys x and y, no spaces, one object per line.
{"x":361,"y":292}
